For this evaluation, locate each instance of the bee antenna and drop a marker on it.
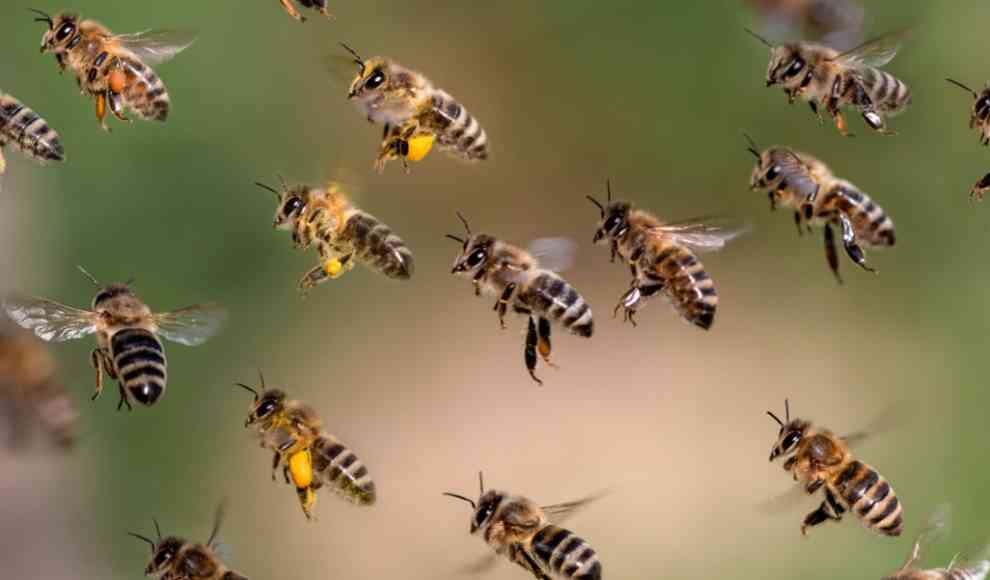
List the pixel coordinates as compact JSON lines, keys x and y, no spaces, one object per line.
{"x":461,"y":497}
{"x":753,"y":147}
{"x":158,"y":529}
{"x":357,"y":57}
{"x":481,"y":482}
{"x":758,"y":37}
{"x":465,"y":222}
{"x":608,"y":190}
{"x":598,"y":203}
{"x":278,"y":194}
{"x":787,"y":410}
{"x":261,"y":376}
{"x":217,"y":520}
{"x":457,"y":239}
{"x":142,"y":538}
{"x":775,"y":418}
{"x":281,"y":179}
{"x":90,"y":276}
{"x":962,"y":86}
{"x":253,"y":392}
{"x":44,"y":17}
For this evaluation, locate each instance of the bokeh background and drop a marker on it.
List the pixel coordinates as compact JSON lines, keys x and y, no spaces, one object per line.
{"x":417,"y":376}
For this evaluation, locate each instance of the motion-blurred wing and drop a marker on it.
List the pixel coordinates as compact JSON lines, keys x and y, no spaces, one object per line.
{"x":342,"y":70}
{"x":795,"y":172}
{"x":480,"y":566}
{"x":50,"y":320}
{"x":557,"y":513}
{"x":890,"y":418}
{"x":876,"y":52}
{"x":554,"y":254}
{"x":157,"y":46}
{"x":191,"y":326}
{"x":703,"y":234}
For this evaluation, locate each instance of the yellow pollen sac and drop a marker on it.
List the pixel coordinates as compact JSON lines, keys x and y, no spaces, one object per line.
{"x":419,"y":146}
{"x":332,"y":267}
{"x":301,"y":468}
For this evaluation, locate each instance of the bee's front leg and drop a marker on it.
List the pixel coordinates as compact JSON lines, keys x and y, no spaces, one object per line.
{"x":291,"y":10}
{"x":477,"y":279}
{"x":276,"y":460}
{"x":98,"y":358}
{"x":502,"y":304}
{"x":124,"y":399}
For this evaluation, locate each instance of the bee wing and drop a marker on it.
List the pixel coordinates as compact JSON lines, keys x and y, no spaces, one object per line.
{"x":703,"y":234}
{"x":784,"y":501}
{"x":554,"y":254}
{"x":481,"y":565}
{"x":893,"y":416}
{"x":557,"y":513}
{"x":50,"y":320}
{"x":157,"y":46}
{"x":876,"y":52}
{"x":342,"y":70}
{"x":192,"y":325}
{"x":796,"y":173}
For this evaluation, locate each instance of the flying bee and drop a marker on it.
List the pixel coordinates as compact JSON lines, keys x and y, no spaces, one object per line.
{"x":114,"y":69}
{"x":25,"y":131}
{"x":830,"y":80}
{"x":806,"y":185}
{"x":662,"y":258}
{"x":415,"y":113}
{"x":836,"y":23}
{"x":517,"y":528}
{"x":818,"y":458}
{"x":979,"y":118}
{"x":342,"y":233}
{"x":128,"y":347}
{"x":976,"y":570}
{"x":309,"y":456}
{"x":29,"y":388}
{"x":290,"y":8}
{"x":526,"y":281}
{"x":176,"y":558}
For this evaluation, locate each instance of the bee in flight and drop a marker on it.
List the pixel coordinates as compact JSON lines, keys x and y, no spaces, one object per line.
{"x":309,"y":456}
{"x":176,"y":558}
{"x":24,"y":130}
{"x":128,"y":347}
{"x":830,"y":80}
{"x":527,"y":282}
{"x":976,"y":570}
{"x":115,"y":69}
{"x":290,"y":8}
{"x":979,"y":118}
{"x":342,"y":233}
{"x":817,"y":458}
{"x":529,"y":535}
{"x":415,"y":113}
{"x":30,"y":391}
{"x":806,"y":185}
{"x":836,"y":23}
{"x":662,"y":258}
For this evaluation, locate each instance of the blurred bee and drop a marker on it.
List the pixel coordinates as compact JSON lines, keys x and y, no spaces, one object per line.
{"x":971,"y":571}
{"x":980,"y":189}
{"x":526,"y":283}
{"x":979,"y":118}
{"x":831,"y":80}
{"x":415,"y":113}
{"x":818,"y":458}
{"x":290,"y":8}
{"x":309,"y":456}
{"x":836,"y":23}
{"x":115,"y":69}
{"x":342,"y":233}
{"x":527,"y":534}
{"x":806,"y":185}
{"x":176,"y":558}
{"x":662,"y":258}
{"x":26,"y":131}
{"x":128,"y":347}
{"x":29,"y":389}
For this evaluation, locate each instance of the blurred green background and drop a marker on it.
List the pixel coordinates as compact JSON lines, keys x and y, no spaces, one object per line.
{"x":416,"y":377}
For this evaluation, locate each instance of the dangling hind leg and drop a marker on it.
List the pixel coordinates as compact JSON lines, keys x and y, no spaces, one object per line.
{"x":330,"y":269}
{"x":116,"y":106}
{"x":877,"y":122}
{"x":831,"y":255}
{"x":543,"y":341}
{"x":291,"y":10}
{"x":829,"y":510}
{"x":852,"y":248}
{"x":529,"y":353}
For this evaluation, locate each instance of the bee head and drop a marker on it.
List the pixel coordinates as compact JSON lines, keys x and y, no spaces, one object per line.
{"x":766,"y":173}
{"x":787,"y":67}
{"x":614,"y":221}
{"x":266,"y":403}
{"x":291,"y":202}
{"x":484,"y":510}
{"x":163,"y":551}
{"x":791,"y":432}
{"x":61,"y":31}
{"x":476,"y":249}
{"x":372,"y":78}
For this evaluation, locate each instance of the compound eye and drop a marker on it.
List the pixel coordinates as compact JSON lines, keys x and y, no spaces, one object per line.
{"x":791,"y":440}
{"x":266,"y":409}
{"x":772,"y":173}
{"x":982,"y":105}
{"x":796,"y":66}
{"x":612,"y":222}
{"x":483,"y":515}
{"x":476,"y":258}
{"x":292,"y":205}
{"x":375,"y":80}
{"x":162,"y":558}
{"x":64,"y":31}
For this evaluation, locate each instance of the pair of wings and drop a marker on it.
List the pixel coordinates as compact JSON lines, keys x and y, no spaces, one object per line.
{"x":55,"y":322}
{"x":874,"y":53}
{"x":156,"y":46}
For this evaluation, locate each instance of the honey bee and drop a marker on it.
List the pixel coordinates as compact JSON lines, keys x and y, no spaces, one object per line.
{"x":979,"y":118}
{"x":831,"y":80}
{"x":662,"y":258}
{"x":309,"y":456}
{"x":415,"y":113}
{"x":818,"y":458}
{"x":806,"y":185}
{"x":115,"y":69}
{"x":976,"y":570}
{"x":29,"y":388}
{"x":527,"y":534}
{"x":26,"y":131}
{"x":290,"y":8}
{"x":531,"y":288}
{"x":837,"y":23}
{"x":342,"y":233}
{"x":176,"y":558}
{"x":128,"y":347}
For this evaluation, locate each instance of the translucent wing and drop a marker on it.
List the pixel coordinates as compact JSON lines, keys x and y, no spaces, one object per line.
{"x":343,"y":70}
{"x":876,"y":52}
{"x":50,"y":320}
{"x":191,"y":326}
{"x":157,"y":46}
{"x":554,"y":254}
{"x":890,"y":418}
{"x":703,"y":234}
{"x":795,"y":173}
{"x":557,"y":513}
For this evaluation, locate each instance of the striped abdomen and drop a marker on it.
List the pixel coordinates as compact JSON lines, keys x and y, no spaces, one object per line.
{"x":139,"y":362}
{"x":339,"y":468}
{"x":564,"y":555}
{"x":687,"y":284}
{"x":378,"y":247}
{"x":143,"y":91}
{"x":550,"y":295}
{"x":457,"y":129}
{"x":870,"y":222}
{"x":25,"y":130}
{"x":885,"y":92}
{"x":869,"y":497}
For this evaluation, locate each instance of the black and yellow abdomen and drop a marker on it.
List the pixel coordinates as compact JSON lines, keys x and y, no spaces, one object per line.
{"x":886,"y":92}
{"x":870,"y":222}
{"x":377,"y":246}
{"x":139,"y":362}
{"x":687,"y":284}
{"x":565,"y":555}
{"x":869,"y":497}
{"x":339,"y":468}
{"x":550,"y":295}
{"x":143,"y":91}
{"x":25,"y":130}
{"x":456,"y":129}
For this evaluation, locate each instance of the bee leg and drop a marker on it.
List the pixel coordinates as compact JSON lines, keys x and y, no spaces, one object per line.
{"x":852,"y":248}
{"x":615,"y":250}
{"x":797,"y":222}
{"x":829,"y":510}
{"x":124,"y":400}
{"x":817,"y":112}
{"x":476,"y":280}
{"x":502,"y":304}
{"x":322,"y":6}
{"x":291,"y":10}
{"x":831,"y":255}
{"x":543,"y":342}
{"x":98,"y":358}
{"x":276,"y":460}
{"x":772,"y":196}
{"x":116,"y":106}
{"x":101,"y":111}
{"x":840,"y":124}
{"x":975,"y":194}
{"x":530,"y":351}
{"x":285,"y":474}
{"x":3,"y":162}
{"x":814,"y":486}
{"x":307,"y":499}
